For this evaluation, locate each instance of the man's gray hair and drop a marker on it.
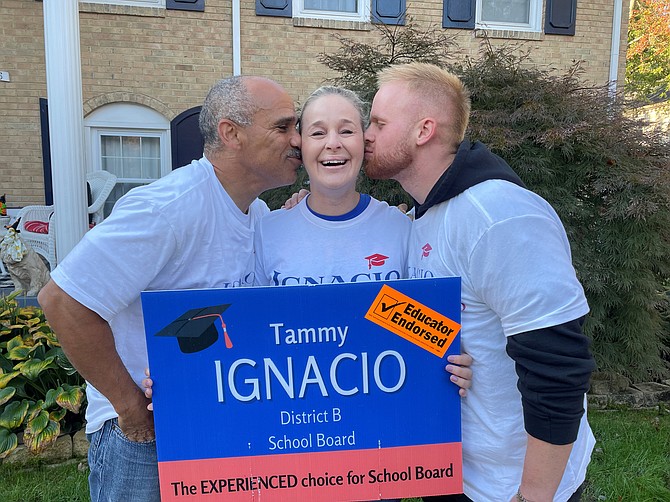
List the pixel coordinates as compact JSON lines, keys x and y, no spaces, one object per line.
{"x":227,"y":99}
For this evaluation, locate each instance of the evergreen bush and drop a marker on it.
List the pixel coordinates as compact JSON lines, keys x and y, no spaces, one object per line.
{"x":609,"y":182}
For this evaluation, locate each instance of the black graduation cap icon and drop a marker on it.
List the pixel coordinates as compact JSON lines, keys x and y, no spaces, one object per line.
{"x":195,"y":329}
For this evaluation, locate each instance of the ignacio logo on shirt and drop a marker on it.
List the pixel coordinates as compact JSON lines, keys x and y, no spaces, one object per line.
{"x":376,"y":260}
{"x":281,"y":279}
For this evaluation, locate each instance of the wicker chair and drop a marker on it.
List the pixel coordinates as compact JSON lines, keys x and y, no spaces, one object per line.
{"x":43,"y":244}
{"x":101,"y":183}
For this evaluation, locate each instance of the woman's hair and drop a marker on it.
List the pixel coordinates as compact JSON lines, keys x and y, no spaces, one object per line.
{"x":439,"y":89}
{"x":329,"y":90}
{"x":227,"y":99}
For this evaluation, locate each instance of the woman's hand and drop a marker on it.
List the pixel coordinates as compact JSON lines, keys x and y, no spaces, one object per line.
{"x":148,"y":391}
{"x":461,"y":374}
{"x":295,"y":199}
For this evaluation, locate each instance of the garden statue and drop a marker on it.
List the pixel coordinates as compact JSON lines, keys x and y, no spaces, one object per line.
{"x":27,"y":270}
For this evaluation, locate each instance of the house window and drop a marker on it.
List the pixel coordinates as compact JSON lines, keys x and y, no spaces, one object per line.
{"x":520,"y":15}
{"x":349,"y":10}
{"x":130,"y":141}
{"x":332,"y":5}
{"x":511,"y":15}
{"x":376,"y":11}
{"x":134,"y":159}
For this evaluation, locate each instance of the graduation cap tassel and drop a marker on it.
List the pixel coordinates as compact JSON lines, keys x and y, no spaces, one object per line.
{"x":229,"y":343}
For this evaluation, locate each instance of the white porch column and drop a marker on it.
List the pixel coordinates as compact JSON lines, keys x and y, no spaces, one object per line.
{"x":237,"y":51}
{"x":614,"y":48}
{"x":66,"y":121}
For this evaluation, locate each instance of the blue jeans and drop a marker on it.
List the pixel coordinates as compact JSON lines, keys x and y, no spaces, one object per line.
{"x":121,"y":470}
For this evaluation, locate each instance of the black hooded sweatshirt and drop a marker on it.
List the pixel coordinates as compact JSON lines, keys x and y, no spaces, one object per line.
{"x":553,"y":364}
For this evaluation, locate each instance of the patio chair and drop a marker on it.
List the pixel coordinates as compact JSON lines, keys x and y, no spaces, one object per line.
{"x":101,"y":183}
{"x":37,"y":224}
{"x":37,"y":228}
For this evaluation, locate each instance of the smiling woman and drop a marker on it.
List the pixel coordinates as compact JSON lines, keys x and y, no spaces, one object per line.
{"x":332,"y":149}
{"x":347,"y":231}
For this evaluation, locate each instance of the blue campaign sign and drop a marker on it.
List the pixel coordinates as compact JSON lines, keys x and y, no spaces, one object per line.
{"x":270,"y":373}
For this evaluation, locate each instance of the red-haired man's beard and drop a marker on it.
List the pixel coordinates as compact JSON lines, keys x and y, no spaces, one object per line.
{"x":384,"y":165}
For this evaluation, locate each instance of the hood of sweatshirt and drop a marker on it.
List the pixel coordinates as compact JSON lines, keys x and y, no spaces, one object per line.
{"x":474,"y":163}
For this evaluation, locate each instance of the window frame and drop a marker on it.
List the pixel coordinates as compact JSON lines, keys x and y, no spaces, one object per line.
{"x":126,"y":119}
{"x":96,"y":149}
{"x":534,"y":17}
{"x":362,"y":13}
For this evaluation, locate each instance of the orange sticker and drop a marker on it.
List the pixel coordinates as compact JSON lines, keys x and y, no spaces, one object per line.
{"x":413,"y":321}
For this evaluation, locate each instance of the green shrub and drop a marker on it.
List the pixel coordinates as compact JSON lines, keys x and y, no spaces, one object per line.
{"x":575,"y":146}
{"x":607,"y":179}
{"x":41,"y":394}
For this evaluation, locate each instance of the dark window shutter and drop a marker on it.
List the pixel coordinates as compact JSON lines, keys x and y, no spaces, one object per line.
{"x":187,"y":142}
{"x":560,"y":17}
{"x":197,"y":5}
{"x":388,"y":12}
{"x":46,"y":151}
{"x":458,"y":14}
{"x":277,"y":8}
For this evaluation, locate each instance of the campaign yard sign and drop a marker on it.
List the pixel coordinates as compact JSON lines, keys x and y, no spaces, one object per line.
{"x":324,"y":392}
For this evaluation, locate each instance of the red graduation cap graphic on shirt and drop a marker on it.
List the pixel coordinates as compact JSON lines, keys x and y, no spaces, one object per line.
{"x":195,"y":329}
{"x":376,"y":260}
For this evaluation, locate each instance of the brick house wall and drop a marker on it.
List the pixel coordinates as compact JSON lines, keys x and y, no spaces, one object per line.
{"x":168,"y":59}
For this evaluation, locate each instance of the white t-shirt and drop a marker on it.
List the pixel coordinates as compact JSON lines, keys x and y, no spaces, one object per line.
{"x":180,"y":232}
{"x":298,"y":247}
{"x":510,"y":249}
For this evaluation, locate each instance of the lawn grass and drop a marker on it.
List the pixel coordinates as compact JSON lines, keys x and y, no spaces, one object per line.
{"x":60,"y":483}
{"x":631,"y":463}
